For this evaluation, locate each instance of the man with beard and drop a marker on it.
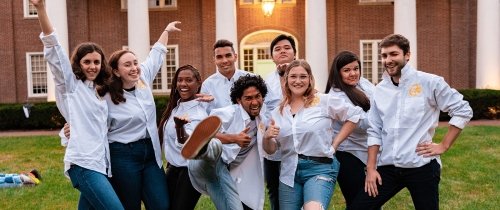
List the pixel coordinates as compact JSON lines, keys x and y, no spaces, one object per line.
{"x":228,"y":167}
{"x":403,"y":116}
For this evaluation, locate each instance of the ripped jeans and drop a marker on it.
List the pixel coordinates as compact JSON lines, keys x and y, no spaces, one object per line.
{"x":314,"y":181}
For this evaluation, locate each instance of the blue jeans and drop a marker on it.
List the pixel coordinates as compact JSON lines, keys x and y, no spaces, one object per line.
{"x":10,"y":180}
{"x":211,"y":174}
{"x":95,"y":190}
{"x":136,"y":176}
{"x":314,"y":181}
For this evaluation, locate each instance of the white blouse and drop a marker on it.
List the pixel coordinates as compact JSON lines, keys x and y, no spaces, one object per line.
{"x":136,"y":118}
{"x":195,"y":111}
{"x":310,"y":132}
{"x":82,"y":108}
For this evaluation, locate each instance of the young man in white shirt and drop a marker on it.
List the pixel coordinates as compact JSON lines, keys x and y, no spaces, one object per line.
{"x":219,"y":84}
{"x":229,"y":167}
{"x":404,"y":115}
{"x":283,"y":52}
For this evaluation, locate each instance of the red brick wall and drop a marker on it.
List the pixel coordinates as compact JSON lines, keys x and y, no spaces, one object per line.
{"x":8,"y":84}
{"x":446,"y":33}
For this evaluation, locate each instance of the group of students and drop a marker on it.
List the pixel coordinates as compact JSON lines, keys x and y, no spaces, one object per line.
{"x":234,"y":133}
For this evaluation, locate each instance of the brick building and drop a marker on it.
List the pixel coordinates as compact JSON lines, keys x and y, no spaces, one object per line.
{"x":448,"y":38}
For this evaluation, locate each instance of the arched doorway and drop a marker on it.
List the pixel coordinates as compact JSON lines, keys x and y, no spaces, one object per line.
{"x":255,"y":55}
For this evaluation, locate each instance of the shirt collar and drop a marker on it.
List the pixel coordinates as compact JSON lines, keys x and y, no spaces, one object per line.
{"x":89,"y":84}
{"x":187,"y":104}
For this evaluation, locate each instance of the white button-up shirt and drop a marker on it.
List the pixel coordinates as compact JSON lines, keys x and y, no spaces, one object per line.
{"x":272,"y":101}
{"x":249,"y":174}
{"x":310,"y":132}
{"x":136,"y":118}
{"x":82,"y":108}
{"x":219,"y":87}
{"x":195,"y":111}
{"x":403,"y":116}
{"x":356,"y":142}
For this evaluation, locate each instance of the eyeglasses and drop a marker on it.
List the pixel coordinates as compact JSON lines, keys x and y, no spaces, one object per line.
{"x":301,"y":77}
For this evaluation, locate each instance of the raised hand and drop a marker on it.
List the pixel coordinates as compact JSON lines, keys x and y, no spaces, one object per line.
{"x":171,"y":26}
{"x":37,"y":3}
{"x":272,"y":130}
{"x":204,"y":97}
{"x":181,"y":120}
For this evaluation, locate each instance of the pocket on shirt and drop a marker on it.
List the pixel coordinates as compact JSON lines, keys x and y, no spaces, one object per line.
{"x":414,"y":108}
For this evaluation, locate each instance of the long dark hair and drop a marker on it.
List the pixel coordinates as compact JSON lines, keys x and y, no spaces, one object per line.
{"x":356,"y":96}
{"x":175,"y":96}
{"x":104,"y":73}
{"x":116,"y":84}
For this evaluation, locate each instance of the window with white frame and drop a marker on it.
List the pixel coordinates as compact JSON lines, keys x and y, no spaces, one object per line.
{"x":163,"y":81}
{"x":371,"y":61}
{"x":37,"y":74}
{"x":252,"y":54}
{"x":29,"y":9}
{"x":248,"y":59}
{"x":156,"y":4}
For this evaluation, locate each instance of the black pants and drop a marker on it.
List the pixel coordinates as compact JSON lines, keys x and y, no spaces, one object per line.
{"x":272,"y":175}
{"x":182,"y":194}
{"x":351,"y":176}
{"x":422,"y":182}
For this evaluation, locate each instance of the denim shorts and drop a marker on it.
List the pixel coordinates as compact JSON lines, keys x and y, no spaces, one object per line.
{"x":314,"y":181}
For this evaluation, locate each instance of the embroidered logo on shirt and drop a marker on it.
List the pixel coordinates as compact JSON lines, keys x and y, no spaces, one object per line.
{"x":140,"y":85}
{"x":315,"y":101}
{"x":262,"y":127}
{"x":415,"y":90}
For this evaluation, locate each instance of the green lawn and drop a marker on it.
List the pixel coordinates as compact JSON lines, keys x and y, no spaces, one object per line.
{"x":469,"y":180}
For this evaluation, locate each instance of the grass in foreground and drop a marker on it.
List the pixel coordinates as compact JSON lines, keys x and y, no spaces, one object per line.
{"x":469,"y":178}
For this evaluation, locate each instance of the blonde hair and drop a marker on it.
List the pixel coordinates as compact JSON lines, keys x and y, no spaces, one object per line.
{"x":310,"y":92}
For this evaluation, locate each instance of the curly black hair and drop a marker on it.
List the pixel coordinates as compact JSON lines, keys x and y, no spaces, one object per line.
{"x":245,"y":82}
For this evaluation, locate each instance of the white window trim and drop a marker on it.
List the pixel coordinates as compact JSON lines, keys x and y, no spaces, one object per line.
{"x":163,"y":70}
{"x":375,"y":60}
{"x":29,"y":75}
{"x":123,"y":6}
{"x":26,"y":7}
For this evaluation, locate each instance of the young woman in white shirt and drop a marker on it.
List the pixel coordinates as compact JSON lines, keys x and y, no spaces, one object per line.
{"x":79,"y":98}
{"x":177,"y":123}
{"x":133,"y":136}
{"x":302,"y":127}
{"x":345,"y":81}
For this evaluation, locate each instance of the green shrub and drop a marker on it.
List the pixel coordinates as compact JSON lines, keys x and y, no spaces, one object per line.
{"x":43,"y":116}
{"x":46,"y":115}
{"x":484,"y":102}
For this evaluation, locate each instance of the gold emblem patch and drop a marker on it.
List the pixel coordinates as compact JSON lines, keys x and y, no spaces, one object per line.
{"x":315,"y":101}
{"x":415,"y":90}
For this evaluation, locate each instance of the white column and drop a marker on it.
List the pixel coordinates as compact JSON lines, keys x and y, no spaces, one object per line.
{"x":405,"y":23}
{"x":316,"y":41}
{"x":138,"y":28}
{"x":225,"y":21}
{"x":488,"y":44}
{"x":56,"y":10}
